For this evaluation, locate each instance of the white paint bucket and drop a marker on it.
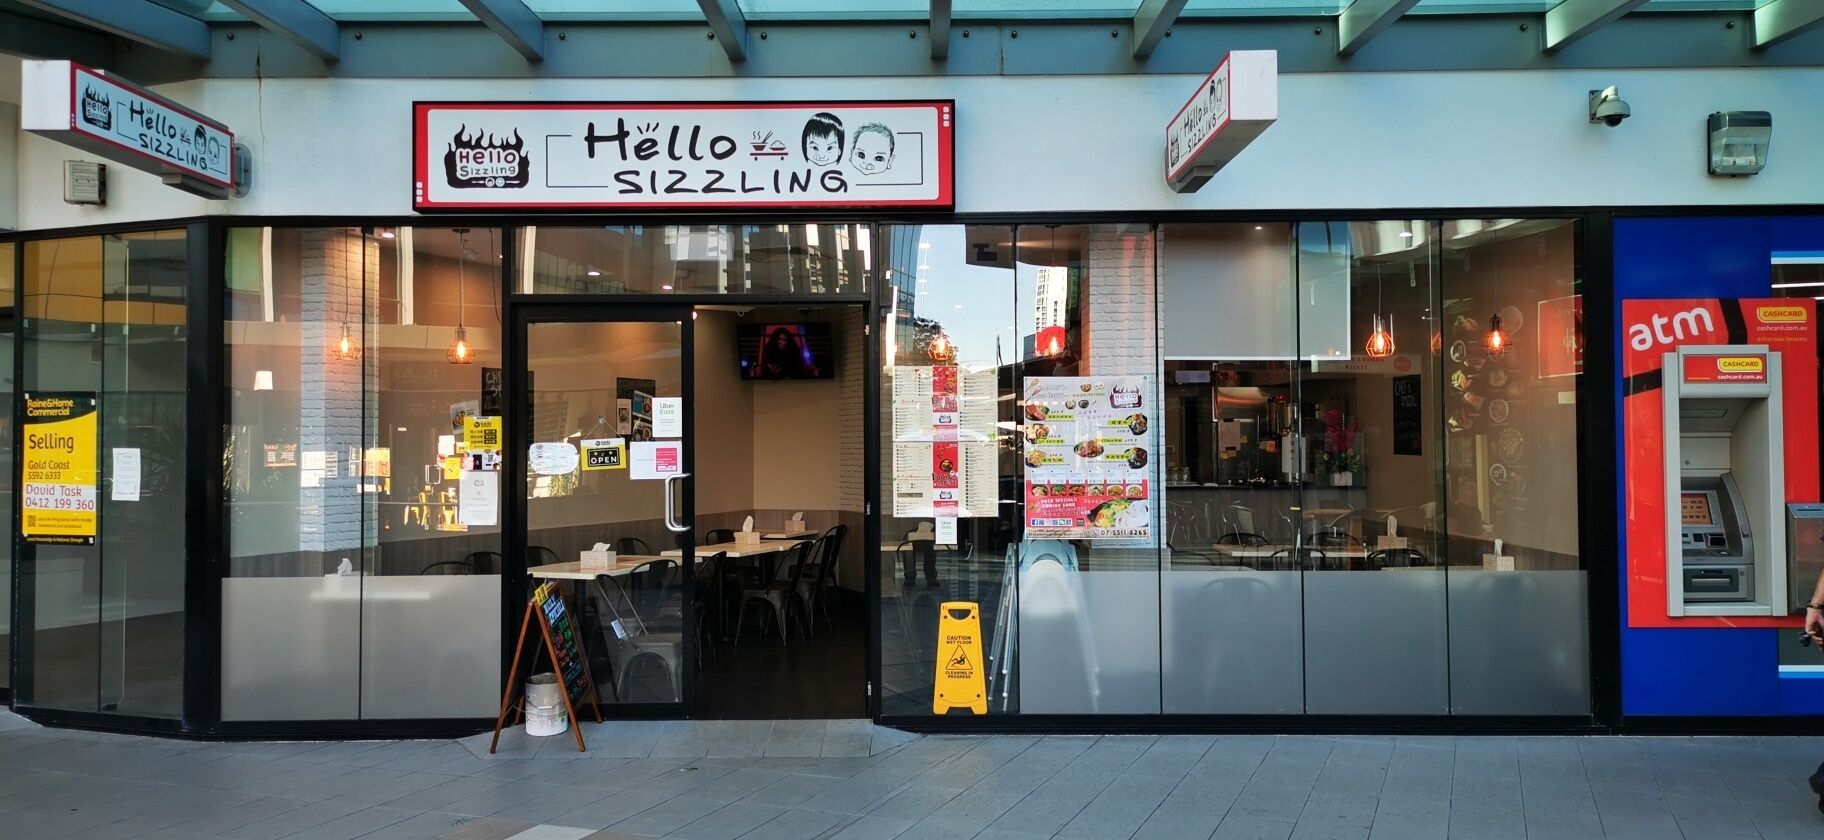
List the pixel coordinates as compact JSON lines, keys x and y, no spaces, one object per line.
{"x":545,"y":706}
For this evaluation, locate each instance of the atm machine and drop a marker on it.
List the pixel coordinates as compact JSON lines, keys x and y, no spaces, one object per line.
{"x":1725,"y":482}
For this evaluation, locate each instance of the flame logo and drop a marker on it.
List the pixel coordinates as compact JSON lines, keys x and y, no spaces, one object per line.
{"x":97,"y":110}
{"x":486,"y":160}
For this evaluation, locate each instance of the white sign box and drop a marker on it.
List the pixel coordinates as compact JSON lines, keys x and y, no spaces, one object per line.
{"x":683,"y":155}
{"x":120,"y":121}
{"x":1233,"y":106}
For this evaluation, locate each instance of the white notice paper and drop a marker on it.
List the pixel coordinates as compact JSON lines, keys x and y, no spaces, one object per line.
{"x":655,"y":459}
{"x":946,"y":530}
{"x":559,"y":458}
{"x":126,"y":475}
{"x":667,"y":417}
{"x":479,"y":499}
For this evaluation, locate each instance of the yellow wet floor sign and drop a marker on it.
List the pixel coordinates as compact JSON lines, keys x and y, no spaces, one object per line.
{"x":959,"y":681}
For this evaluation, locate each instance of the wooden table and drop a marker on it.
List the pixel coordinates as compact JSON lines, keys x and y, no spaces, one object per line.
{"x":623,"y":564}
{"x":1257,"y":552}
{"x":733,"y":549}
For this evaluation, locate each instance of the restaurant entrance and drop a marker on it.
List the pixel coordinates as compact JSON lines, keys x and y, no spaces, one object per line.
{"x":598,"y":415}
{"x":724,"y":583}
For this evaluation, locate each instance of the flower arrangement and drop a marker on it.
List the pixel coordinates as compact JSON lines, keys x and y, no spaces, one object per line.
{"x":1339,"y":443}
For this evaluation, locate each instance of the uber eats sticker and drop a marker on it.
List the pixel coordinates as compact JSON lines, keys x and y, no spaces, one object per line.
{"x":57,"y":468}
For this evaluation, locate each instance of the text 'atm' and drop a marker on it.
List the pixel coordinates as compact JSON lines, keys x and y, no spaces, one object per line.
{"x":1725,"y":482}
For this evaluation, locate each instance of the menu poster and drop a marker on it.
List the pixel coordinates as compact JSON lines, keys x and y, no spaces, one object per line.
{"x":1086,"y":457}
{"x":944,"y":465}
{"x":944,"y":442}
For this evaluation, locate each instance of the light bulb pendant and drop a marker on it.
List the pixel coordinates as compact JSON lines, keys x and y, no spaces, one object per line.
{"x":345,"y":347}
{"x":460,"y":353}
{"x":1496,"y":342}
{"x":1380,"y":341}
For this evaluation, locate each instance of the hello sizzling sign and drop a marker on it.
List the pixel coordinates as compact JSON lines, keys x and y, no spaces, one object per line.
{"x":682,"y":156}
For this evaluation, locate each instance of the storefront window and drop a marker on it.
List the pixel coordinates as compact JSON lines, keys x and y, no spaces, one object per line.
{"x":360,"y":584}
{"x":9,"y":333}
{"x":102,"y":586}
{"x":698,"y":259}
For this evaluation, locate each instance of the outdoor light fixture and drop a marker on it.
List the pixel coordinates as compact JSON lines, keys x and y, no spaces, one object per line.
{"x":1496,"y":342}
{"x":1739,"y":141}
{"x":460,"y":353}
{"x":346,"y":349}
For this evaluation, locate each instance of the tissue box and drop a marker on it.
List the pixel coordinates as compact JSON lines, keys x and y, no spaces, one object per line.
{"x":1492,"y":563}
{"x":597,"y":560}
{"x":1386,"y":542}
{"x":747,"y":538}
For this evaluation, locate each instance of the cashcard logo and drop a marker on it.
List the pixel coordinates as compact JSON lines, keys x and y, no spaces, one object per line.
{"x":1741,"y":364}
{"x":1780,"y":314}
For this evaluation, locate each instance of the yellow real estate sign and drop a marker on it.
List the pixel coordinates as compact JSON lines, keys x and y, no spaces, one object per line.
{"x":57,"y":468}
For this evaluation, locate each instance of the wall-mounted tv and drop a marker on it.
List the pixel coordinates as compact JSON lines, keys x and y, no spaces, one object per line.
{"x":786,"y":351}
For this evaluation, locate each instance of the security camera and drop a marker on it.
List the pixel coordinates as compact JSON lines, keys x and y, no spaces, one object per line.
{"x":1607,"y":107}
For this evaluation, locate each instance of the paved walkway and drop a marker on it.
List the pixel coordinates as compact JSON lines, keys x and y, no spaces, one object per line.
{"x":795,"y":780}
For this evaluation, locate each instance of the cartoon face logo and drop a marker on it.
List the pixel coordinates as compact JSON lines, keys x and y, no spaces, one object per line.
{"x":823,"y":139}
{"x":873,"y":152}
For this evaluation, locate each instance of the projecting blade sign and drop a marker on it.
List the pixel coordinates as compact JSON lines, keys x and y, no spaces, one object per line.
{"x":108,"y":116}
{"x":683,"y":156}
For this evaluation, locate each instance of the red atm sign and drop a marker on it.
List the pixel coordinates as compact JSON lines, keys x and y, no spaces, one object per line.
{"x":1746,"y":368}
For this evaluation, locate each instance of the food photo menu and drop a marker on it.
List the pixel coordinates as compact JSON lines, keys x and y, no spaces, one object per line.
{"x":1087,"y":457}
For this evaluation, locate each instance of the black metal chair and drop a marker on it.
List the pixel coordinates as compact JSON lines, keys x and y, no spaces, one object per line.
{"x":1397,"y":558}
{"x":779,"y":593}
{"x":1295,"y":559}
{"x":450,"y":567}
{"x":485,"y":562}
{"x":538,"y":555}
{"x":717,"y":536}
{"x":828,"y":553}
{"x":632,"y":545}
{"x":707,"y":596}
{"x":653,"y":585}
{"x":1241,"y":538}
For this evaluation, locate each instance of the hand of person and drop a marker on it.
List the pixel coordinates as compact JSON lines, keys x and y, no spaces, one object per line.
{"x":1814,"y":625}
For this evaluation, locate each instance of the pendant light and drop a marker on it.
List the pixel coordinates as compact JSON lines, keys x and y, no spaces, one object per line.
{"x":1496,"y":342}
{"x":346,"y":348}
{"x":1380,"y":338}
{"x":460,"y":353}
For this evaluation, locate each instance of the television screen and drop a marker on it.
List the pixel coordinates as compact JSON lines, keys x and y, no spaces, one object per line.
{"x":786,"y":351}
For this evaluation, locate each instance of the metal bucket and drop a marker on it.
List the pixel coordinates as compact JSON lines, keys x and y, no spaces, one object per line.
{"x":545,"y":706}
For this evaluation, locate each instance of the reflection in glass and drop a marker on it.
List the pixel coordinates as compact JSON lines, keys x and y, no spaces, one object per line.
{"x":107,"y":315}
{"x":698,"y":259}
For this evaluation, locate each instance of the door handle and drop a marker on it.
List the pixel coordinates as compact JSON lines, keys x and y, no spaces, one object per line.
{"x":671,"y":510}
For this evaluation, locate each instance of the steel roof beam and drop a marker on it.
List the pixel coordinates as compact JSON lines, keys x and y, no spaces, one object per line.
{"x":1782,"y":19}
{"x":1364,"y":19}
{"x":136,"y":20}
{"x":1151,"y":22}
{"x":940,"y":29}
{"x":515,"y":23}
{"x":34,"y":37}
{"x":1573,"y":19}
{"x":729,"y":26}
{"x":295,"y":21}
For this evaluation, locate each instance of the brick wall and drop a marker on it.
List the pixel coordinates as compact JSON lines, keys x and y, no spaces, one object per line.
{"x":334,"y":416}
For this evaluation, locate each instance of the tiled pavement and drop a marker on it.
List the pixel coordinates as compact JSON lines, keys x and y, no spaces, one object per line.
{"x":795,"y":780}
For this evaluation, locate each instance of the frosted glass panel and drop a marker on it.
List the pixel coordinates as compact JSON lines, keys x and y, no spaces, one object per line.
{"x":1089,"y":641}
{"x":1519,"y":643}
{"x":1234,"y":642}
{"x":290,"y":648}
{"x":1375,"y":643}
{"x":430,"y":646}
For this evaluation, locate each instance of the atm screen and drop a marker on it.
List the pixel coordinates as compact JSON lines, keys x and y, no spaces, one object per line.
{"x":1695,"y":509}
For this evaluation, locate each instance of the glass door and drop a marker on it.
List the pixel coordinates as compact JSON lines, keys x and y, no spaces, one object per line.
{"x":604,"y":405}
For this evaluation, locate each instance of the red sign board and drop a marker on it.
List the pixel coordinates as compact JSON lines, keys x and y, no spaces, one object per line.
{"x":683,"y":155}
